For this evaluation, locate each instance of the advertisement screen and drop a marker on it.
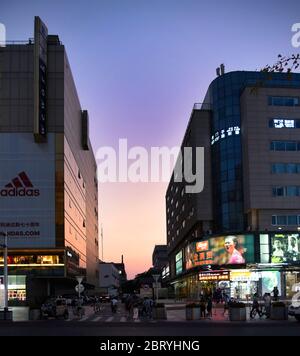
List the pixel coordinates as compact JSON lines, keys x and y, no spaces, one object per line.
{"x":270,"y":279}
{"x":179,"y":262}
{"x":285,"y":248}
{"x":223,"y":250}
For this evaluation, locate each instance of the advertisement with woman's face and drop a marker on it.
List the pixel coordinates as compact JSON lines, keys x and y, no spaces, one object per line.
{"x":223,"y":250}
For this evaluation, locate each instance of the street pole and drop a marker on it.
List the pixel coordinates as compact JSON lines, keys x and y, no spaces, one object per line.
{"x":156,"y":277}
{"x":5,"y":273}
{"x":5,"y":277}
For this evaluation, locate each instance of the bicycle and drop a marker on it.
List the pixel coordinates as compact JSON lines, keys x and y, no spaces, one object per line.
{"x":261,"y":311}
{"x":97,"y":307}
{"x":78,"y":311}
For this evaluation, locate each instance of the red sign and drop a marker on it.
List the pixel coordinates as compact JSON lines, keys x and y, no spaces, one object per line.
{"x":202,"y":246}
{"x":20,"y":186}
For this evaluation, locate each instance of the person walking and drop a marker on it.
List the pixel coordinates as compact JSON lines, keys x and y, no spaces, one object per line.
{"x":255,"y":307}
{"x":202,"y":307}
{"x":275,"y":294}
{"x":209,"y":308}
{"x":268,"y":301}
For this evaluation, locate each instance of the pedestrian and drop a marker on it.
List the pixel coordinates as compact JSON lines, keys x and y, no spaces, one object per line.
{"x":202,"y":307}
{"x":268,"y":301}
{"x":114,"y":303}
{"x":209,"y":307}
{"x":275,"y":294}
{"x":255,"y":307}
{"x":226,"y":303}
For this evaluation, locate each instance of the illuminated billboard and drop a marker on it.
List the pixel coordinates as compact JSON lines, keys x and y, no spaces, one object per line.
{"x":222,"y":250}
{"x":285,"y":248}
{"x":179,"y":262}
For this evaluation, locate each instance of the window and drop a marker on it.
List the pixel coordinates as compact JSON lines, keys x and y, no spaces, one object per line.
{"x":281,"y":220}
{"x":183,"y":224}
{"x":278,"y":168}
{"x":288,"y":191}
{"x":283,"y":100}
{"x":285,"y":146}
{"x":292,"y":220}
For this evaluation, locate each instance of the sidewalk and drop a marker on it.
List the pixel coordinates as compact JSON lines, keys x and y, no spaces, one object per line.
{"x":178,"y":314}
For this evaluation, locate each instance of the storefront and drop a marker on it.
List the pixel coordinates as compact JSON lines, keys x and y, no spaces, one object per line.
{"x":239,"y":266}
{"x":16,"y":289}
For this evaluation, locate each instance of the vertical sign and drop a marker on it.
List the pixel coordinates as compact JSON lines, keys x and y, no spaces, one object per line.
{"x":40,"y":79}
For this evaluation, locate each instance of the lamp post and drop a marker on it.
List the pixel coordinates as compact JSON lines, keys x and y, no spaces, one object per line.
{"x":4,"y":246}
{"x":156,"y":277}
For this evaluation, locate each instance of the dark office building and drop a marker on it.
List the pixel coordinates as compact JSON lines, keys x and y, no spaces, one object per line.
{"x":241,"y":233}
{"x":159,"y":256}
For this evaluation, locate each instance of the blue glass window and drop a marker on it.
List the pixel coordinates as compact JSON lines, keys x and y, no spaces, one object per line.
{"x":283,"y":100}
{"x":292,"y":220}
{"x":281,"y":220}
{"x":285,"y":146}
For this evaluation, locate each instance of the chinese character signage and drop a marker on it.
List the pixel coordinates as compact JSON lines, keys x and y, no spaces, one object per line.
{"x":220,"y":135}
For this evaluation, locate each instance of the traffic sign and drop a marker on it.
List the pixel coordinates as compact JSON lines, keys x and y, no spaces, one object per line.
{"x":79,"y":279}
{"x":79,"y":288}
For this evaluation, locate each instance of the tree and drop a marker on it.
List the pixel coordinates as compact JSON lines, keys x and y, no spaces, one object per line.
{"x":284,"y":64}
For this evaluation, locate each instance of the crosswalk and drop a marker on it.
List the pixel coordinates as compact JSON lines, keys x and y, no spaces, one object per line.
{"x":105,"y":316}
{"x":107,"y":319}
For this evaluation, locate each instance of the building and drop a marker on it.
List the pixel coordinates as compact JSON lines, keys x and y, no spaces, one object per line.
{"x":48,"y":184}
{"x":109,"y":278}
{"x":122,"y":270}
{"x":241,"y":233}
{"x":159,"y":256}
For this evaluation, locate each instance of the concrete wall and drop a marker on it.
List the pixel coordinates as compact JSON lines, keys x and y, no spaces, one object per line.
{"x":259,"y":202}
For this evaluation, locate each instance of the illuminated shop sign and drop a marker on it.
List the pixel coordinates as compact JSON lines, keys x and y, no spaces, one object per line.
{"x":214,"y":276}
{"x":284,"y":123}
{"x":220,"y":135}
{"x":222,"y":250}
{"x":244,"y":276}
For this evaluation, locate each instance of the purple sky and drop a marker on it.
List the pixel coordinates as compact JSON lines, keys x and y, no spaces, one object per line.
{"x":139,"y":66}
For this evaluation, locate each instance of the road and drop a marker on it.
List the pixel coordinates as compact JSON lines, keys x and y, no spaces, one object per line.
{"x":159,"y":328}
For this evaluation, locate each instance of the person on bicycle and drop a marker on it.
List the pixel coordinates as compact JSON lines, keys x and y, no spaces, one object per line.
{"x":114,"y":304}
{"x":255,"y":306}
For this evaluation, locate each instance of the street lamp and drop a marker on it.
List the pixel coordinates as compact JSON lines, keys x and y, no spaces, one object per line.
{"x":156,"y":277}
{"x":4,"y":246}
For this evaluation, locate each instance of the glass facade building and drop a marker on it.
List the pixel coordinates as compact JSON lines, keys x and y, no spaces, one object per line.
{"x":223,"y":97}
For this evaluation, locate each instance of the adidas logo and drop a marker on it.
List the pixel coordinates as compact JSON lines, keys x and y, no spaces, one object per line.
{"x":20,"y":186}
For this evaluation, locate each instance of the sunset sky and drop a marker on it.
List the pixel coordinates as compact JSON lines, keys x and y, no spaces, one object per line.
{"x":139,"y":66}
